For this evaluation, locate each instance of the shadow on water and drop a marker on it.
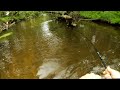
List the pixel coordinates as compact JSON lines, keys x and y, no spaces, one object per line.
{"x":44,"y":48}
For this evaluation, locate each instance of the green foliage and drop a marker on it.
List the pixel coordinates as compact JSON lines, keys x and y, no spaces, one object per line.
{"x":17,"y":15}
{"x":110,"y":16}
{"x":5,"y":19}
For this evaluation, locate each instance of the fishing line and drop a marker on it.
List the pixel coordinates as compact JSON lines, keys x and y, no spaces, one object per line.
{"x":89,"y":50}
{"x":97,"y":52}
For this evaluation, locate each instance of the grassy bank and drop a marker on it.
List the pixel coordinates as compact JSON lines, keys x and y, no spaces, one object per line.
{"x":112,"y":17}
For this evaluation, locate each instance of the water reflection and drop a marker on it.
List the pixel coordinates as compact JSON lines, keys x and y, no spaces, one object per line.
{"x":52,"y":68}
{"x":45,"y":28}
{"x":48,"y":67}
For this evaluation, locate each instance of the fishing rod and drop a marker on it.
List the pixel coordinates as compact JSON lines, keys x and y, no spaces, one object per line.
{"x":97,"y":52}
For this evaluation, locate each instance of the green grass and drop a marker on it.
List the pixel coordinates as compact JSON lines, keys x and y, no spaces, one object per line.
{"x":112,"y":17}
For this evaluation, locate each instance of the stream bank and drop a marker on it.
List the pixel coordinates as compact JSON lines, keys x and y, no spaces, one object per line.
{"x":10,"y":18}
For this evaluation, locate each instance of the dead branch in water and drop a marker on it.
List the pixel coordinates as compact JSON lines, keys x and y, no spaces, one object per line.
{"x":88,"y":19}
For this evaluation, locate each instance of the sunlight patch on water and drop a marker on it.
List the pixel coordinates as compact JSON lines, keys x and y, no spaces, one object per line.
{"x":53,"y":42}
{"x":45,"y":28}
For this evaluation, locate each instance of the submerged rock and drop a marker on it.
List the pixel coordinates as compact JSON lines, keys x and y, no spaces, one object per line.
{"x":74,"y":24}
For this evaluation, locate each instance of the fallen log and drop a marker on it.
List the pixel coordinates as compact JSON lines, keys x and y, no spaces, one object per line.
{"x":68,"y":19}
